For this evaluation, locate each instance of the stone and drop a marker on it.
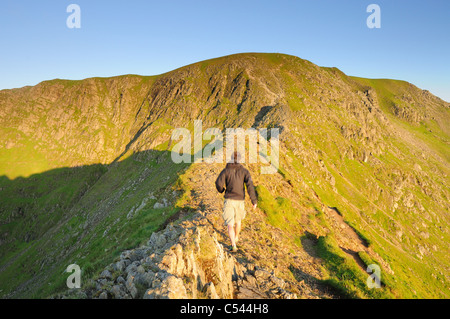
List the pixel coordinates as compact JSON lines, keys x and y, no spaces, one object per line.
{"x":145,"y":279}
{"x":140,"y":269}
{"x":157,"y":240}
{"x":174,"y":288}
{"x":122,"y":265}
{"x":158,"y":205}
{"x":118,"y":291}
{"x":248,"y":293}
{"x":210,"y":291}
{"x":132,"y":268}
{"x":156,"y":282}
{"x":152,"y":293}
{"x":169,"y":262}
{"x":120,"y":280}
{"x":103,"y":295}
{"x":132,"y":255}
{"x":262,"y":274}
{"x":250,"y":280}
{"x":180,"y":265}
{"x":106,"y":274}
{"x":171,"y":288}
{"x":278,"y":281}
{"x":131,"y":287}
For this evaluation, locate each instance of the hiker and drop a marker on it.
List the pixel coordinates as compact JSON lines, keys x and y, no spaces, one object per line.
{"x":234,"y":176}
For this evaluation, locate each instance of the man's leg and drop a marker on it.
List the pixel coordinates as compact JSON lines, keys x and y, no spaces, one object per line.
{"x":240,"y":214}
{"x":232,"y":234}
{"x":228,"y":216}
{"x":237,"y":230}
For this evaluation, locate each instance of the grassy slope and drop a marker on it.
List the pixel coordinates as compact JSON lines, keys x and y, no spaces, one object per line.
{"x":80,"y":216}
{"x":86,"y":219}
{"x":413,"y":275}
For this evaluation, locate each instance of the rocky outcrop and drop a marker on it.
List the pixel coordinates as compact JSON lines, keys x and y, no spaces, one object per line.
{"x":185,"y":261}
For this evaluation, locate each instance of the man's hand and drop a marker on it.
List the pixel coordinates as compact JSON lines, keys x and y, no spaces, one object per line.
{"x":254,"y":206}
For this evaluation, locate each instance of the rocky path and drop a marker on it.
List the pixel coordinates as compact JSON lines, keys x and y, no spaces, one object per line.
{"x":190,"y":258}
{"x":260,"y":246}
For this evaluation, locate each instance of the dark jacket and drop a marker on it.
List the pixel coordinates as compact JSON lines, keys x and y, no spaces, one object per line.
{"x":234,"y":175}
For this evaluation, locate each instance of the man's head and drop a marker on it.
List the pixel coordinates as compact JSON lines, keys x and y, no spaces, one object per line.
{"x":235,"y":157}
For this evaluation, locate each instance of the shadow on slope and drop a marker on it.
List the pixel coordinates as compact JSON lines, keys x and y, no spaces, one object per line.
{"x":85,"y":215}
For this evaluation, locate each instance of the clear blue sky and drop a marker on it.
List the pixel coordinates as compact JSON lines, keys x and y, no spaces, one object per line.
{"x":153,"y":37}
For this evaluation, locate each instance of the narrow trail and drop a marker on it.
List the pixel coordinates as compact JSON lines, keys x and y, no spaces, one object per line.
{"x":260,"y":245}
{"x":190,"y":256}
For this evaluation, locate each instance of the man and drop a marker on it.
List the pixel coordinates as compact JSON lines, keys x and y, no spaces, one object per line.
{"x":234,"y":176}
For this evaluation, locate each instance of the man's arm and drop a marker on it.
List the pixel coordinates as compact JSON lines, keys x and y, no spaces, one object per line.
{"x":250,"y":188}
{"x":220,"y":181}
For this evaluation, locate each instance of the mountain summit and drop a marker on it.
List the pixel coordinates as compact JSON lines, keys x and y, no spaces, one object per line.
{"x":86,"y":178}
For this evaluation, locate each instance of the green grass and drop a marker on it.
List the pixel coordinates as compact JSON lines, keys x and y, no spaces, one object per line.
{"x":79,"y":215}
{"x":359,"y":200}
{"x":22,"y":160}
{"x":279,"y":211}
{"x":344,"y":274}
{"x":385,"y":278}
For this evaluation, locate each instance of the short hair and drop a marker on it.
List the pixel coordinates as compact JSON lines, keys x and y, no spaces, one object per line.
{"x":236,"y":157}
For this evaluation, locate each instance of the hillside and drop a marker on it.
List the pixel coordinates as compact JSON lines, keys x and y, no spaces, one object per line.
{"x":86,"y":177}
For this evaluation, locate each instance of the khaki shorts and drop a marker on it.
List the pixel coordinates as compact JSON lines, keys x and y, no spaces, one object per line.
{"x":233,"y":210}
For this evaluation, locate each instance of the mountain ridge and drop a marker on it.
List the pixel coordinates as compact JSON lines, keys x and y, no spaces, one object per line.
{"x":376,"y":150}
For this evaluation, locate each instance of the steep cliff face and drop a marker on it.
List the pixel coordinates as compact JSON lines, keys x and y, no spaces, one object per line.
{"x":363,"y":177}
